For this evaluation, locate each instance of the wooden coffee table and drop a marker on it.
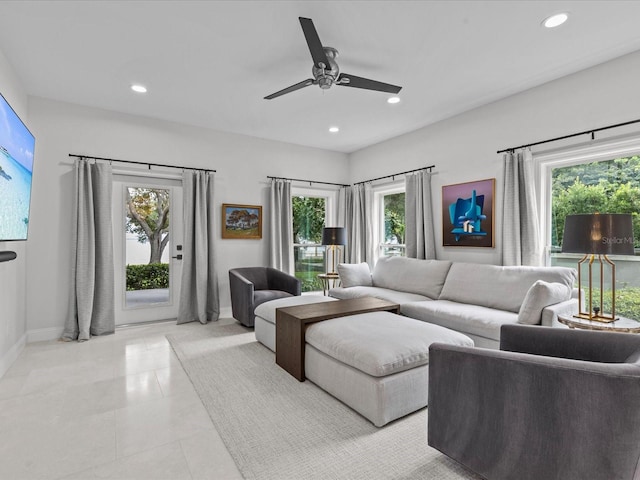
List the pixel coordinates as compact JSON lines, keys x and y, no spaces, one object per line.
{"x":291,"y":324}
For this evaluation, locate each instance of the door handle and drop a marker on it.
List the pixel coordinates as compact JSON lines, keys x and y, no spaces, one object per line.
{"x":178,"y":257}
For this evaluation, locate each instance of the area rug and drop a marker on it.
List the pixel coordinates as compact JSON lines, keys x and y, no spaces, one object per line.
{"x":278,"y":428}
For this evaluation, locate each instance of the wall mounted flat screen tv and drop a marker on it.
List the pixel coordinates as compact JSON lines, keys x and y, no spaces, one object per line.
{"x":17,"y":145}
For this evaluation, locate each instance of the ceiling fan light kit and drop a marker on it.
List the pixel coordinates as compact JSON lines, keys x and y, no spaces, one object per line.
{"x":326,"y":71}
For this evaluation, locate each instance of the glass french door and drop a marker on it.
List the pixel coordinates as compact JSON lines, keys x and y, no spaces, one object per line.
{"x":147,"y":220}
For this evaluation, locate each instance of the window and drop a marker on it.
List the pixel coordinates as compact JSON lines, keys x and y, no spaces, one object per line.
{"x":589,"y":182}
{"x":310,"y":213}
{"x":607,"y":186}
{"x":391,"y":222}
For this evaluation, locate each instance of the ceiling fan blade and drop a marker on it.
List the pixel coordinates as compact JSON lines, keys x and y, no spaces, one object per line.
{"x":347,"y":80}
{"x":292,"y":88}
{"x":313,"y":41}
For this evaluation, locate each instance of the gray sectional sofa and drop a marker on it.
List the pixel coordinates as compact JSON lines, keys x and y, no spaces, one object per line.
{"x":474,"y":299}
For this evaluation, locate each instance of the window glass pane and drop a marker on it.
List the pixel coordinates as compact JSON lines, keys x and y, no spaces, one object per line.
{"x":147,"y":246}
{"x":309,"y":254}
{"x":394,"y":225}
{"x":611,"y":186}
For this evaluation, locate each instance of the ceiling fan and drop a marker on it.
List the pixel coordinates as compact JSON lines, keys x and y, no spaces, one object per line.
{"x":325,"y":69}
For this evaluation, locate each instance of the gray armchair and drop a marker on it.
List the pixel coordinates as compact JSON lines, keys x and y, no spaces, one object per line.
{"x":552,"y":403}
{"x":252,"y":286}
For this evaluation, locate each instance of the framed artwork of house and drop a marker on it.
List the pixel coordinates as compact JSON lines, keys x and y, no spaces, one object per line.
{"x":241,"y":221}
{"x":468,"y":212}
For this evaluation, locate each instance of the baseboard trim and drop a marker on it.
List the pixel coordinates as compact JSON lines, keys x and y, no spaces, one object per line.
{"x":44,"y":334}
{"x":8,"y":358}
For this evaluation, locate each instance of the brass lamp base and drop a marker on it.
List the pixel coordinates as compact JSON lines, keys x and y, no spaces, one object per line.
{"x":595,"y":318}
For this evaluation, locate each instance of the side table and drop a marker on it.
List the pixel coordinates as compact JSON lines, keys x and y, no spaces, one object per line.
{"x":621,"y":325}
{"x":329,"y":281}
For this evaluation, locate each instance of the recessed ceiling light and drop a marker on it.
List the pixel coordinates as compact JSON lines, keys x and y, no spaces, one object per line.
{"x":139,"y":88}
{"x":393,"y":100}
{"x":555,"y":20}
{"x":334,"y":129}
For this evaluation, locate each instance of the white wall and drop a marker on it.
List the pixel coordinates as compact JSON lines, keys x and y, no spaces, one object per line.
{"x":463,"y":148}
{"x":12,"y":273}
{"x":242,"y":163}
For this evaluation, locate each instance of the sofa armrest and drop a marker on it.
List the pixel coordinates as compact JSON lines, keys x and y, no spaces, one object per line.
{"x":509,"y":415}
{"x":549,"y":317}
{"x":241,"y":290}
{"x":586,"y":345}
{"x":279,"y":280}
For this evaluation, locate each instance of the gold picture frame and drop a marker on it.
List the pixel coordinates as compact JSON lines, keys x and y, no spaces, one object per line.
{"x":241,"y":221}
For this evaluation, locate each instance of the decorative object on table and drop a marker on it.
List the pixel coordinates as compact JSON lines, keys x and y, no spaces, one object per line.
{"x":596,"y":236}
{"x":241,"y":221}
{"x":468,"y":214}
{"x":334,"y":237}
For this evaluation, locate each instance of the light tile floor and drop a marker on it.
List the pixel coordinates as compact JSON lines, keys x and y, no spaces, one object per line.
{"x":116,"y":407}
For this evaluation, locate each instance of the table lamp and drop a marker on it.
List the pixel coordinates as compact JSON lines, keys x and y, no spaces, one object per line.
{"x":597,"y":236}
{"x":334,"y":237}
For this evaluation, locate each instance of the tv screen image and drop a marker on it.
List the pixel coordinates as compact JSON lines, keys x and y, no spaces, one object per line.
{"x":17,"y":145}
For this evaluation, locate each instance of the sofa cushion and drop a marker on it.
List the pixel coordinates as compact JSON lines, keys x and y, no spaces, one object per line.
{"x":498,"y":287}
{"x":355,"y":274}
{"x":267,"y":310}
{"x":380,"y":343}
{"x":262,"y":296}
{"x":424,"y":277}
{"x":382,"y":293}
{"x":541,"y":295}
{"x":470,"y":319}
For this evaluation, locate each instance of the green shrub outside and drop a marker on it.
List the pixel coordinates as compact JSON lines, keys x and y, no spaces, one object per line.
{"x":145,"y":277}
{"x":627,"y":302}
{"x":309,"y":281}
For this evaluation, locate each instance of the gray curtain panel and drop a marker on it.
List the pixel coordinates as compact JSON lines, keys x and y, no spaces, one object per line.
{"x":358,"y":211}
{"x":281,"y":226}
{"x":92,"y":296}
{"x":344,"y":199}
{"x":521,"y":243}
{"x":199,"y":298}
{"x":420,"y":236}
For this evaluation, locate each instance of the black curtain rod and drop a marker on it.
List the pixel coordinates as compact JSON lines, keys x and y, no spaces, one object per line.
{"x":149,"y":165}
{"x":570,"y":136}
{"x":309,"y":181}
{"x":430,"y":167}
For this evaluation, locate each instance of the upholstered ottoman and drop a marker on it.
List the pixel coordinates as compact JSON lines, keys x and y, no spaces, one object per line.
{"x":265,"y":321}
{"x":376,"y":363}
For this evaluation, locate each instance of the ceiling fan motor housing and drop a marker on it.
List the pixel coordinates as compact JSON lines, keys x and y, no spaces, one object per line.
{"x":325,"y":77}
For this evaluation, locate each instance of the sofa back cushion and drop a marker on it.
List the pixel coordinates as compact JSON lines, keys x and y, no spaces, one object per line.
{"x":424,"y":277}
{"x":355,"y":274}
{"x":499,"y":287}
{"x":541,"y":295}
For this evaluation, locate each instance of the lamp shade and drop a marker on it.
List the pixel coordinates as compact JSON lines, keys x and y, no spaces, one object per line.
{"x":598,"y":233}
{"x":334,"y":236}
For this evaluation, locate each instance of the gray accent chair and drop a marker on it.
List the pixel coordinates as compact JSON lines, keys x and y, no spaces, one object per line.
{"x":252,"y":286}
{"x":550,"y":404}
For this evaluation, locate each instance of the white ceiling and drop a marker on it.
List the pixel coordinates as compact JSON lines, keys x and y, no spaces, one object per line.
{"x":210,"y":63}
